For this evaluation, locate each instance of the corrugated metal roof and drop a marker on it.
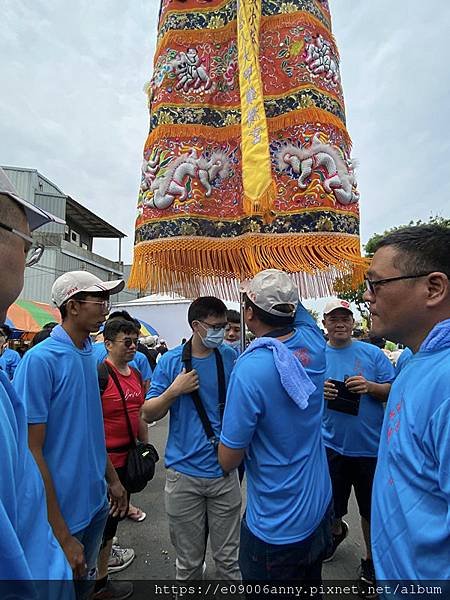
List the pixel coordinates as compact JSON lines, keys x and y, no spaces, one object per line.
{"x":93,"y":225}
{"x":33,"y":186}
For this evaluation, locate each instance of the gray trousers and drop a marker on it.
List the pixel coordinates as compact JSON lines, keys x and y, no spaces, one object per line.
{"x":189,"y":501}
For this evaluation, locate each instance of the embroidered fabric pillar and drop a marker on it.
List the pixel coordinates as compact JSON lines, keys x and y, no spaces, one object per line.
{"x":247,"y":163}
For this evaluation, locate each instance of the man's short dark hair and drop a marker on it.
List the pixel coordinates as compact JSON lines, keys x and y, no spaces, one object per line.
{"x":268,"y":318}
{"x":117,"y":325}
{"x":204,"y":307}
{"x":123,"y":314}
{"x":233,"y":316}
{"x":40,"y":336}
{"x":422,"y":249}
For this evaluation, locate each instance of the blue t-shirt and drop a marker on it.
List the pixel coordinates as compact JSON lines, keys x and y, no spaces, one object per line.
{"x":288,"y":485}
{"x":411,"y":495}
{"x":28,"y":548}
{"x":9,"y":361}
{"x":188,"y":449}
{"x":402,"y":360}
{"x":59,"y":385}
{"x":356,"y":435}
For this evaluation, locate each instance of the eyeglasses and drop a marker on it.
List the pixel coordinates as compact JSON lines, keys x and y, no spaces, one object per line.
{"x":371,"y":285}
{"x":128,"y":342}
{"x":33,"y":252}
{"x":216,"y":327}
{"x":106,"y":304}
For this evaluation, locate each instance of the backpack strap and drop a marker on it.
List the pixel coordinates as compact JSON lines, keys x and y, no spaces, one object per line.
{"x":103,"y":377}
{"x":186,"y":358}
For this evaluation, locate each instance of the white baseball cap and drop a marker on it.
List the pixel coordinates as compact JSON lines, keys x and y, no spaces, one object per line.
{"x":73,"y":282}
{"x":336,"y":303}
{"x":270,"y":288}
{"x":36,"y":216}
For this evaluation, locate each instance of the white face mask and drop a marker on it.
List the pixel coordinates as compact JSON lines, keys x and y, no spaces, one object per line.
{"x":213,"y":338}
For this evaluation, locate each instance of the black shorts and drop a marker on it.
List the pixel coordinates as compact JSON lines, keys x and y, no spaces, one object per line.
{"x":348,"y":471}
{"x":112,"y":522}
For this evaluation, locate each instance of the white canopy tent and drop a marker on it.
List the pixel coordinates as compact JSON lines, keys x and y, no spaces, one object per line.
{"x":166,"y":314}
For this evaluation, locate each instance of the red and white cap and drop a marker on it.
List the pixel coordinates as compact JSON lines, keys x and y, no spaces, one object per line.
{"x":336,"y":303}
{"x":73,"y":282}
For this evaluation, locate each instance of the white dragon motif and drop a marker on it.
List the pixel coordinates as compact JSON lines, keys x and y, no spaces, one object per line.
{"x":339,"y":172}
{"x":320,"y":59}
{"x":190,"y":71}
{"x":172,"y":184}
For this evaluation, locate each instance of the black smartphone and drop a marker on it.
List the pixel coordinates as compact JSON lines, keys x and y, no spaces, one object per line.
{"x":346,"y":401}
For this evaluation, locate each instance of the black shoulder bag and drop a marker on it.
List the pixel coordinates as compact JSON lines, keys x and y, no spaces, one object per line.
{"x":186,"y":358}
{"x":142,"y":458}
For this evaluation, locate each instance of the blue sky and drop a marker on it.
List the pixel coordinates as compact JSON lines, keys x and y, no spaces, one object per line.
{"x":72,"y":103}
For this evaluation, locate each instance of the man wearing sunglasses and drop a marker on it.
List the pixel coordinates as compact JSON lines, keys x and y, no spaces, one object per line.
{"x":408,"y":291}
{"x":197,"y":494}
{"x":28,"y":548}
{"x":58,"y":381}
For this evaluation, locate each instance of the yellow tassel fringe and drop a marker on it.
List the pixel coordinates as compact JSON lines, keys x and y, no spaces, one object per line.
{"x":198,"y":266}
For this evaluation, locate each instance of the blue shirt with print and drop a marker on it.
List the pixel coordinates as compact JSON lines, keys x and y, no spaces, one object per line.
{"x":59,"y":385}
{"x":411,"y":495}
{"x":28,"y":548}
{"x":188,"y":449}
{"x":288,"y":485}
{"x":356,"y":435}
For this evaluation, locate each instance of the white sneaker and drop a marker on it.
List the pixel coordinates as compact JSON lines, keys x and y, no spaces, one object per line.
{"x":120,"y":559}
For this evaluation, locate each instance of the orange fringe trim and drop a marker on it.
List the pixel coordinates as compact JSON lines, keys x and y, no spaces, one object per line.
{"x":189,"y":37}
{"x":217,"y":134}
{"x":224,"y":34}
{"x":288,"y":19}
{"x":222,"y":134}
{"x":198,"y":266}
{"x":303,"y":116}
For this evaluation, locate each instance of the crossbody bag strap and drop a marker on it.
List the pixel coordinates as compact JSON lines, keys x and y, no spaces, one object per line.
{"x":124,"y":403}
{"x":221,"y":383}
{"x":186,"y":358}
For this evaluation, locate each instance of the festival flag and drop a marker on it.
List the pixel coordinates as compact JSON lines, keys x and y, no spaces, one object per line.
{"x":247,"y":164}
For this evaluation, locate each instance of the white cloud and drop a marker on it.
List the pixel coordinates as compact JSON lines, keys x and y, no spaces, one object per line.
{"x":72,"y":104}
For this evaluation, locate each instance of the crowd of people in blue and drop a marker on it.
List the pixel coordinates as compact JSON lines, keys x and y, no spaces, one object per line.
{"x":307,"y":418}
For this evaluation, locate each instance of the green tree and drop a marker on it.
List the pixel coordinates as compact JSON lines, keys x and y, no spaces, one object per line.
{"x":372,"y":242}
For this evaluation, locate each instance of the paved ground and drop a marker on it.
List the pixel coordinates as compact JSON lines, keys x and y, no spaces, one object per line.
{"x":154,"y":552}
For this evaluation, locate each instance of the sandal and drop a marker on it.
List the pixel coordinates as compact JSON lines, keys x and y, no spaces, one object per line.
{"x":136,"y":514}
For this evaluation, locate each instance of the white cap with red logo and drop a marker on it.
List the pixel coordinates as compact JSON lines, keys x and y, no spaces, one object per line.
{"x":73,"y":282}
{"x":336,"y":303}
